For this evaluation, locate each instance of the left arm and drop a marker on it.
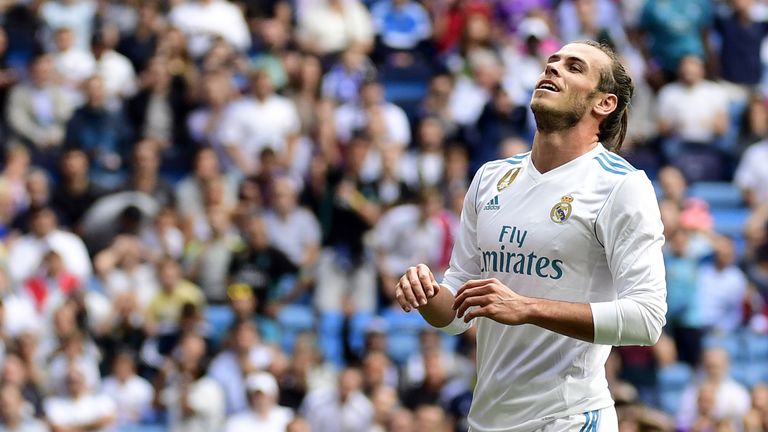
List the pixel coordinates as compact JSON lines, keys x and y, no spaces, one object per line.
{"x":631,"y":231}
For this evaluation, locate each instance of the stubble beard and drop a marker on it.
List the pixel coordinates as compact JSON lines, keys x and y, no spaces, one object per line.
{"x":554,"y":119}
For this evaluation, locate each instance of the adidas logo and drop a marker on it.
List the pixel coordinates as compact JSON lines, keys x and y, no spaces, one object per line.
{"x":493,"y":204}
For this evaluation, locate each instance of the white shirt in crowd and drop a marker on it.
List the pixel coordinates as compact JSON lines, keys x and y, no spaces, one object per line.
{"x":201,"y":21}
{"x":118,"y":75}
{"x":721,"y":297}
{"x":588,"y":231}
{"x":333,"y":32}
{"x":276,"y":421}
{"x":692,"y":110}
{"x":403,"y":239}
{"x":205,"y":398}
{"x":140,"y":281}
{"x":253,"y":125}
{"x":134,"y":397}
{"x":74,"y":65}
{"x":752,"y":173}
{"x":731,"y":401}
{"x":226,"y":371}
{"x":351,"y":117}
{"x":294,"y":234}
{"x":26,"y":254}
{"x":76,"y":15}
{"x":69,"y":412}
{"x":325,"y":412}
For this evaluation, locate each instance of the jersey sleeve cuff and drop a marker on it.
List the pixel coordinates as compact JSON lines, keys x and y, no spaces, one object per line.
{"x":605,"y":317}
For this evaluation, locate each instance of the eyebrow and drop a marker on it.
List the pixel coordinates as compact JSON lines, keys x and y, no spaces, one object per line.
{"x":556,"y":57}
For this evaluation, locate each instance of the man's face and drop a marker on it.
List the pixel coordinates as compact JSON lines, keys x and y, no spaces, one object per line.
{"x":566,"y":89}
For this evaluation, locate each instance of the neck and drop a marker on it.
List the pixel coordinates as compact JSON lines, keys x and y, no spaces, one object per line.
{"x":78,"y":184}
{"x":553,"y":149}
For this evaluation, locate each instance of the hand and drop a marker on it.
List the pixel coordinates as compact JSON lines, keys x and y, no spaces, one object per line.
{"x":416,"y":287}
{"x":491,"y":299}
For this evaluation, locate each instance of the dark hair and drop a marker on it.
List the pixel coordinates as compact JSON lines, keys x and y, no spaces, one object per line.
{"x":614,"y":80}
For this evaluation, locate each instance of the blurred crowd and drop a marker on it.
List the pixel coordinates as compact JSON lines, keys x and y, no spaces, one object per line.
{"x":205,"y":205}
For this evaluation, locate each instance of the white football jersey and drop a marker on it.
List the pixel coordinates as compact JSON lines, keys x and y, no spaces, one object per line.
{"x":588,"y":231}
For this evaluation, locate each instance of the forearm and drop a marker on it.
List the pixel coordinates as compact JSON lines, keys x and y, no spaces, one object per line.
{"x":438,"y":311}
{"x":568,"y":319}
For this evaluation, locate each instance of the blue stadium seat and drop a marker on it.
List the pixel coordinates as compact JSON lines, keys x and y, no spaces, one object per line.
{"x":672,"y":381}
{"x":756,"y":347}
{"x":219,"y":317}
{"x":403,"y":333}
{"x":732,"y":343}
{"x":143,"y":428}
{"x":730,"y":222}
{"x":329,"y":337}
{"x":294,"y":319}
{"x":719,"y":195}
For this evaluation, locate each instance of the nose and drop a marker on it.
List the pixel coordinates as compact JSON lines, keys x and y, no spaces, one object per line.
{"x":551,"y":69}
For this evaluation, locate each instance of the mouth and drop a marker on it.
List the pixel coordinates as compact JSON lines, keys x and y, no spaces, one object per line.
{"x":547,"y":85}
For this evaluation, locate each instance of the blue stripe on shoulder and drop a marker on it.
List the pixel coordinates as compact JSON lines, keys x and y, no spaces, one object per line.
{"x":517,"y":158}
{"x":615,"y":165}
{"x":607,"y":168}
{"x":620,"y":160}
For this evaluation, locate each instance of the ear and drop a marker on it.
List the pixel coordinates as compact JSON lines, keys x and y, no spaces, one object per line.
{"x":606,"y":104}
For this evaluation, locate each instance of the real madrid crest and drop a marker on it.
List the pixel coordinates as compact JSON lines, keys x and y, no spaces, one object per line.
{"x":561,"y":211}
{"x":507,"y":179}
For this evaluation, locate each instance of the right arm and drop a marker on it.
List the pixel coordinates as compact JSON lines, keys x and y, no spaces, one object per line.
{"x":417,"y":289}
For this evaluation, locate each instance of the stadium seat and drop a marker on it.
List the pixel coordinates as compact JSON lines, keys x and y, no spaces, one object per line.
{"x":293,"y":320}
{"x":329,"y":337}
{"x":143,"y":428}
{"x":732,"y":343}
{"x":672,"y":381}
{"x":719,"y":195}
{"x":731,"y":221}
{"x":219,"y":317}
{"x":403,"y":334}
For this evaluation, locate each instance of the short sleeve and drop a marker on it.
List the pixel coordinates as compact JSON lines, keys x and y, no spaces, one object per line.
{"x":630,"y":229}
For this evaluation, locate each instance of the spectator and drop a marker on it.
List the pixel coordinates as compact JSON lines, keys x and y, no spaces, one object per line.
{"x":163,"y":237}
{"x":343,"y":81}
{"x":753,"y":126}
{"x":332,"y":26}
{"x":131,"y":393}
{"x":190,"y":190}
{"x":104,"y":135}
{"x":591,"y":19}
{"x":195,"y":402}
{"x":342,"y":269}
{"x":471,"y":93}
{"x":126,"y":273}
{"x":16,"y":374}
{"x":263,"y":120}
{"x":164,"y":309}
{"x":81,"y":407}
{"x":426,"y":164}
{"x":51,"y":284}
{"x":244,"y":355}
{"x":431,"y":418}
{"x":263,"y":412}
{"x":260,"y":265}
{"x":342,"y":410}
{"x":203,"y":20}
{"x":76,"y":192}
{"x":500,"y":119}
{"x":14,"y":176}
{"x":741,"y":37}
{"x":159,"y":108}
{"x":204,"y":123}
{"x":692,"y":109}
{"x":419,"y":225}
{"x":145,"y":173}
{"x":74,"y":64}
{"x":727,"y":398}
{"x":15,"y":413}
{"x":38,"y":111}
{"x":750,"y":176}
{"x":77,"y":15}
{"x":114,"y":68}
{"x":74,"y":352}
{"x":722,"y":289}
{"x":757,"y":417}
{"x":401,"y":25}
{"x":673,"y":30}
{"x":38,"y":191}
{"x":140,"y":45}
{"x":292,"y":229}
{"x":27,"y":253}
{"x":384,"y":121}
{"x":209,"y":258}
